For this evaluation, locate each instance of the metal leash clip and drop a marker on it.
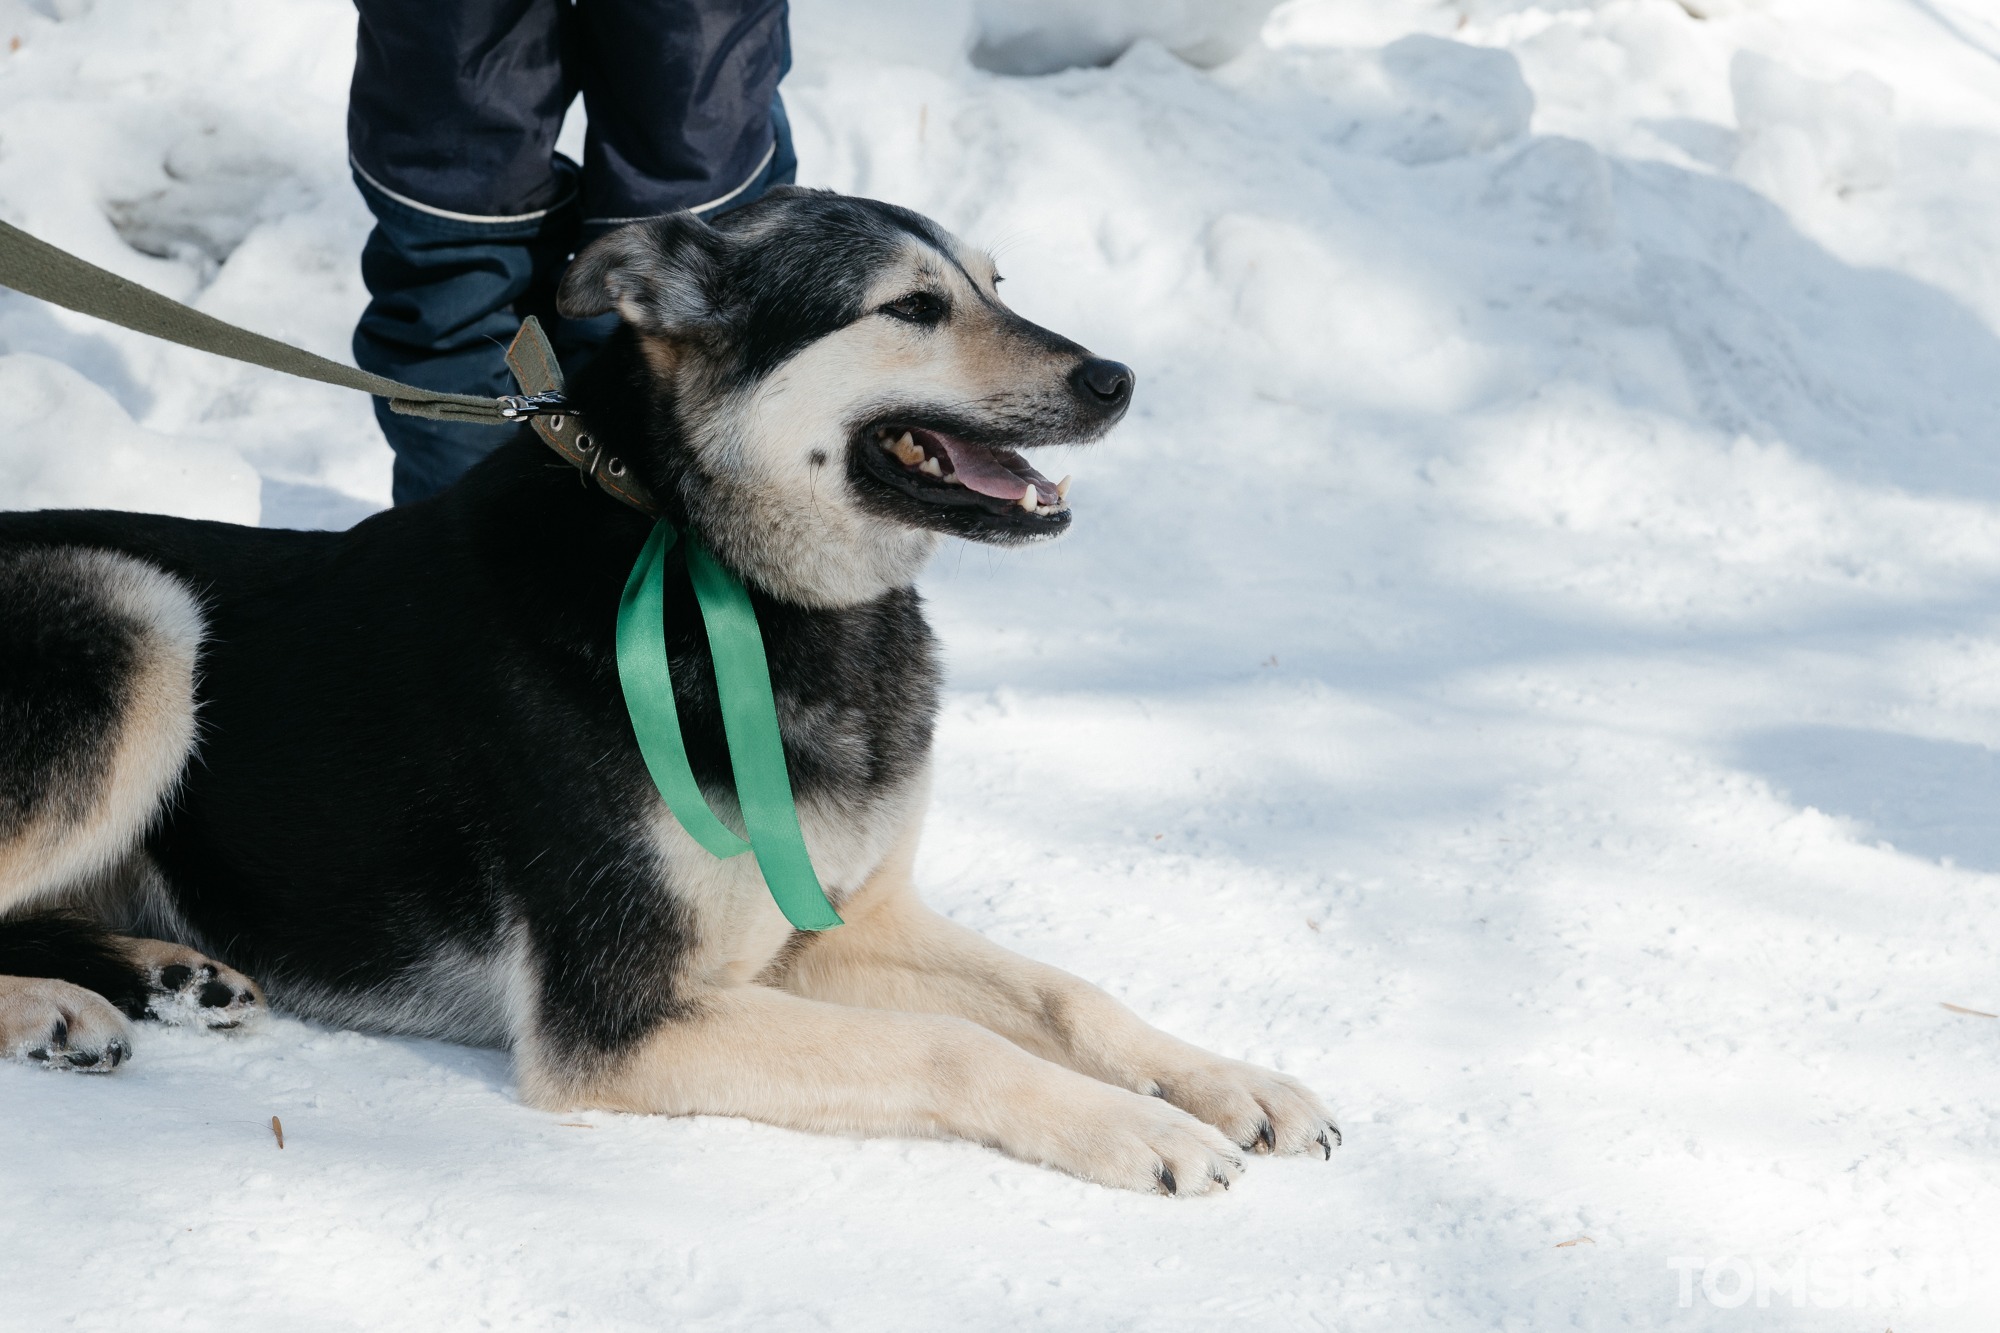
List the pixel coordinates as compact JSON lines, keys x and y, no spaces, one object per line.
{"x":519,"y":407}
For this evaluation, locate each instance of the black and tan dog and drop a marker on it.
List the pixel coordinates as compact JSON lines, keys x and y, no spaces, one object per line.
{"x":389,"y":771}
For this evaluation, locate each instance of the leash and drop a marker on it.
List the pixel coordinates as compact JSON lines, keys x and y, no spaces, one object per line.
{"x":736,"y":644}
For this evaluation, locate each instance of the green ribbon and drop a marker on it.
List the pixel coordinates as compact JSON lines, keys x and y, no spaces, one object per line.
{"x":749,"y":722}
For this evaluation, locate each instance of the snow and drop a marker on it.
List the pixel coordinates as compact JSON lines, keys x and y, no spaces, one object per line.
{"x":1530,"y":667}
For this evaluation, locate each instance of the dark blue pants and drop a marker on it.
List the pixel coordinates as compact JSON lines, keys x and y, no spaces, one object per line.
{"x":452,"y":122}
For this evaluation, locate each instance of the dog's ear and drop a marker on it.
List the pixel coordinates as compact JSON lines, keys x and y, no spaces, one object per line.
{"x":661,"y":275}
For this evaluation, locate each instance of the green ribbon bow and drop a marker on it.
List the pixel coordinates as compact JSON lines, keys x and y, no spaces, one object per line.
{"x":749,"y":721}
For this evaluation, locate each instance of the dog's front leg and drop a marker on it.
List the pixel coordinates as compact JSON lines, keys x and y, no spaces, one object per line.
{"x":753,"y":1051}
{"x":895,"y":953}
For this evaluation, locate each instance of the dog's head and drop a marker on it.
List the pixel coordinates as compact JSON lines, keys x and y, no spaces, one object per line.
{"x":842,"y":384}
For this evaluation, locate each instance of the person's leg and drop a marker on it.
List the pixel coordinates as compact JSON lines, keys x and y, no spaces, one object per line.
{"x":447,"y":296}
{"x":452,"y":123}
{"x":684,"y":110}
{"x":683,"y":104}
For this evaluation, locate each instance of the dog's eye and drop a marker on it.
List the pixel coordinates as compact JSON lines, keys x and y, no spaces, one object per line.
{"x":917,"y":307}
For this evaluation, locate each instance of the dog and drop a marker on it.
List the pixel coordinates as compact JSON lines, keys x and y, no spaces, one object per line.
{"x":389,"y":771}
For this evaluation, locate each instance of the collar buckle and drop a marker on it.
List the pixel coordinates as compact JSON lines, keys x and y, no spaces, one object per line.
{"x":522,"y":406}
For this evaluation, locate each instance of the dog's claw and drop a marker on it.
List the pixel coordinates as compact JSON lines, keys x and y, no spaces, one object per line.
{"x":1165,"y":1175}
{"x":110,"y":1057}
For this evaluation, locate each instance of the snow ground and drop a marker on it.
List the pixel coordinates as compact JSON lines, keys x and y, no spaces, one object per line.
{"x":1530,"y":667}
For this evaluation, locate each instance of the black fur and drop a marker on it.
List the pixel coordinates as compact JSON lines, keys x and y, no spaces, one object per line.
{"x":73,"y":948}
{"x":767,"y":290}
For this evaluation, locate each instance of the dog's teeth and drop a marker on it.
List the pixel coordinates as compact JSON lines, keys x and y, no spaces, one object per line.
{"x":930,"y":467}
{"x":907,"y":450}
{"x":1062,"y":489}
{"x":1028,"y":500}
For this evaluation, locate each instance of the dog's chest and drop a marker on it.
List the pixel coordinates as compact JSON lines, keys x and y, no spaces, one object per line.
{"x":736,"y":926}
{"x":856,"y":695}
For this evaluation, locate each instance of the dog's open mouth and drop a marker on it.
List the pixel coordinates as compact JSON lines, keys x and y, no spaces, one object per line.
{"x":941,"y":468}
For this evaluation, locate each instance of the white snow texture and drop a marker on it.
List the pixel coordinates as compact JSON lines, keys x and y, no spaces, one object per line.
{"x":1529,"y":667}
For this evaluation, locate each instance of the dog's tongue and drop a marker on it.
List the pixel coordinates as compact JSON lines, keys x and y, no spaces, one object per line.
{"x":982,"y":470}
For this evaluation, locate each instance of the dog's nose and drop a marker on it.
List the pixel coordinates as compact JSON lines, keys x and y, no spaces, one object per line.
{"x":1105,"y":383}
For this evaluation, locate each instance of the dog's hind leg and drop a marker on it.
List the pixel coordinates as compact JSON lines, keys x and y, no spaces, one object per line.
{"x":187,"y":989}
{"x":895,"y":953}
{"x":140,"y":978}
{"x":97,"y":662}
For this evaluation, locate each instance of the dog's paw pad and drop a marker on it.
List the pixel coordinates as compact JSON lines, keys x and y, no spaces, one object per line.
{"x":62,"y":1026}
{"x":193,"y":991}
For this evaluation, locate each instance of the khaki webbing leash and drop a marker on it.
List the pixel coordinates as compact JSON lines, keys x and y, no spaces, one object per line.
{"x":31,"y":265}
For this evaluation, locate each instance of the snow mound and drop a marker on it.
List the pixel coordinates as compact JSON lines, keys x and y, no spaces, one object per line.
{"x":1804,"y":138}
{"x":929,"y":34}
{"x":1451,"y":100}
{"x":85,"y":452}
{"x":1418,"y":100}
{"x":1043,"y":36}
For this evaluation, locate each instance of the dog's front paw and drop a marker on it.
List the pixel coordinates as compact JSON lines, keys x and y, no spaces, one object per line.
{"x":1260,"y":1109}
{"x":61,"y":1025}
{"x":1120,"y":1138}
{"x":187,"y":989}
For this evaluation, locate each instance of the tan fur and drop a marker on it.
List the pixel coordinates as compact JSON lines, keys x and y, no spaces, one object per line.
{"x":896,"y":953}
{"x":34,"y":1010}
{"x":87,"y":832}
{"x":901,"y":1023}
{"x":772,"y":1056}
{"x":813,"y":543}
{"x":738,"y":926}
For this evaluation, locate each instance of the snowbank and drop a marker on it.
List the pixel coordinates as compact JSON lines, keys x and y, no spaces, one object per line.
{"x":1801,"y":137}
{"x":76,"y":448}
{"x":1025,"y":37}
{"x":1042,"y":36}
